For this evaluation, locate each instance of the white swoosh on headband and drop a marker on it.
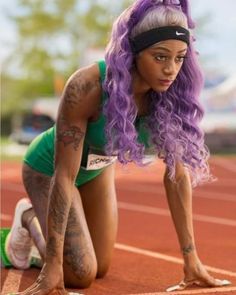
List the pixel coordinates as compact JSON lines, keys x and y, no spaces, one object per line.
{"x":178,"y":34}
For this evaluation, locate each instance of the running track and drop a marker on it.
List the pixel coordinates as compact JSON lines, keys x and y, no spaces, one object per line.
{"x":146,"y":258}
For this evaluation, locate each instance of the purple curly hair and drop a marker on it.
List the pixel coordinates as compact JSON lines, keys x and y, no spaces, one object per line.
{"x":174,"y":115}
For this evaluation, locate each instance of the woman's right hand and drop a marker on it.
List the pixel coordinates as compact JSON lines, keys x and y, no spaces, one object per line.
{"x":49,"y":282}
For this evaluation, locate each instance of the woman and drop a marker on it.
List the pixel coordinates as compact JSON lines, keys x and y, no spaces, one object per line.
{"x":145,"y":101}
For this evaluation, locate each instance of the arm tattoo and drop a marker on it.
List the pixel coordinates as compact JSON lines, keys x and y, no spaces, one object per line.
{"x":76,"y":259}
{"x":77,"y":88}
{"x":69,"y":134}
{"x":73,"y":227}
{"x":188,"y":249}
{"x":58,"y":208}
{"x":51,"y":247}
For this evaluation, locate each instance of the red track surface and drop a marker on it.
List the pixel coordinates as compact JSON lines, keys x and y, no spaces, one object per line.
{"x":144,"y":223}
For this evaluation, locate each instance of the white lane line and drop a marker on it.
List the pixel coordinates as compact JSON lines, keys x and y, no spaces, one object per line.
{"x":10,"y":174}
{"x":225,"y":164}
{"x":154,"y":189}
{"x":169,"y":258}
{"x":227,"y":181}
{"x":5,"y":217}
{"x":165,"y":212}
{"x":189,"y":292}
{"x":215,"y":196}
{"x":158,"y":211}
{"x":13,"y":187}
{"x":151,"y":210}
{"x":12,"y":282}
{"x":145,"y":188}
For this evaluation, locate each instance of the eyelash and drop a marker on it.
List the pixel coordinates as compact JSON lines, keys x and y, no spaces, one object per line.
{"x":161,"y":58}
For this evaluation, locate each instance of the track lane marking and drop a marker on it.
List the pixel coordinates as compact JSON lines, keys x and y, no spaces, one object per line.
{"x":144,"y":188}
{"x":169,"y":258}
{"x":12,"y":282}
{"x":5,"y":217}
{"x":215,"y":196}
{"x":225,"y":164}
{"x":13,"y":187}
{"x":165,"y":212}
{"x":189,"y":292}
{"x":153,"y":189}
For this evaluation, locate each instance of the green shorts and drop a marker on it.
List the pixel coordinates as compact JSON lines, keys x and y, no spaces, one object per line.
{"x":40,"y":157}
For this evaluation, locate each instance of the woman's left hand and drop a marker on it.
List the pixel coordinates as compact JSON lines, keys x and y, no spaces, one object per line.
{"x":196,"y":274}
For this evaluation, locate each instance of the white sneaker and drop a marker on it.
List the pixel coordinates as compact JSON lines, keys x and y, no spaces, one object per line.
{"x":18,"y":242}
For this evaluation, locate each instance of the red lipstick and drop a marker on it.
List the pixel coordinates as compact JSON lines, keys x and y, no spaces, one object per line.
{"x":166,"y":82}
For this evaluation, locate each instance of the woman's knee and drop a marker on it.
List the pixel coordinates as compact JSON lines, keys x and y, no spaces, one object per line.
{"x":80,"y":268}
{"x":102,"y":270}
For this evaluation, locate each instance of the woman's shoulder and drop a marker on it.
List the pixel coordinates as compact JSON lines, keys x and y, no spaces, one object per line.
{"x":84,"y":89}
{"x":86,"y":78}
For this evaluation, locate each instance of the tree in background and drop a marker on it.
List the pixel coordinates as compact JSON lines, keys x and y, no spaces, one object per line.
{"x":52,"y":39}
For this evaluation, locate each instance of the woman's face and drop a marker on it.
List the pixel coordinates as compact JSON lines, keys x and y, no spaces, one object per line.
{"x":159,"y":65}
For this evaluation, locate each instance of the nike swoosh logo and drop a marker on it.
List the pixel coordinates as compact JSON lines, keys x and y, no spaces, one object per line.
{"x":179,"y":34}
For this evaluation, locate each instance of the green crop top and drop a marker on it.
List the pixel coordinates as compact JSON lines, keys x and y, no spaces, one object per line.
{"x":40,"y":154}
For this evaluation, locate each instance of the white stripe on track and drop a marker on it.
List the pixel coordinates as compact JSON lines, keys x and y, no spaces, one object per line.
{"x":225,"y":164}
{"x":215,"y":196}
{"x":169,"y":258}
{"x":5,"y":217}
{"x":157,"y":211}
{"x":12,"y":282}
{"x":165,"y":212}
{"x":153,"y":189}
{"x":13,"y":187}
{"x":145,"y":188}
{"x":189,"y":292}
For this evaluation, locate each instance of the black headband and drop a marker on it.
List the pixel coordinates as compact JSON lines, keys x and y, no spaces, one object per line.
{"x":149,"y":38}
